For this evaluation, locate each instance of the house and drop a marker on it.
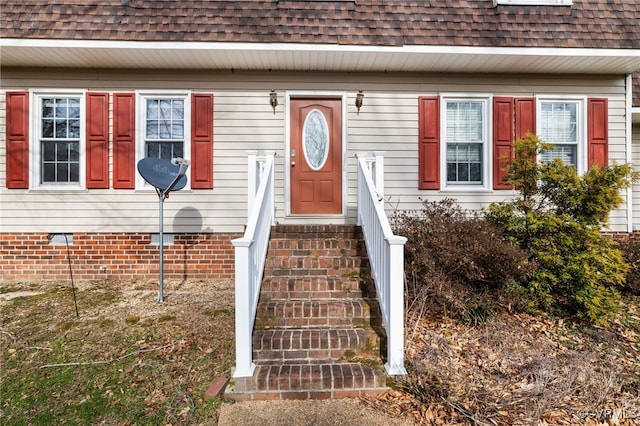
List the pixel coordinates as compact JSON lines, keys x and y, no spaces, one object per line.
{"x":446,"y":87}
{"x":436,"y":90}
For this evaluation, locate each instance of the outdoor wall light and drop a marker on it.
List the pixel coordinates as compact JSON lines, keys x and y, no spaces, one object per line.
{"x":273,"y":100}
{"x":359,"y":98}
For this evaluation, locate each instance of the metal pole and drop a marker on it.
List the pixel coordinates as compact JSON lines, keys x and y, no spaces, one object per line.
{"x":161,"y":242}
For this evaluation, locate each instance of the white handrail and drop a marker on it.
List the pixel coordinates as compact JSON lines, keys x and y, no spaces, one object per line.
{"x":386,"y":257}
{"x":250,"y":257}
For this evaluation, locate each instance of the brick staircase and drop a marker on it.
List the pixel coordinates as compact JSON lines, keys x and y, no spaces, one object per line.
{"x":318,"y":328}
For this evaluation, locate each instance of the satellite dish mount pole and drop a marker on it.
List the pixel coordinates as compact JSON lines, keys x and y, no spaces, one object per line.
{"x":163,"y":195}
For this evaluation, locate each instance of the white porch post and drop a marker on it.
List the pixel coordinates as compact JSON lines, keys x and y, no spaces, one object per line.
{"x":244,"y":327}
{"x":395,"y":333}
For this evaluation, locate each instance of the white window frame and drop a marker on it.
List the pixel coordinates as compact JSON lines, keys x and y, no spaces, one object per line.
{"x":141,"y":111}
{"x":35,"y":174}
{"x":581,"y":126}
{"x":533,"y":2}
{"x":486,"y":183}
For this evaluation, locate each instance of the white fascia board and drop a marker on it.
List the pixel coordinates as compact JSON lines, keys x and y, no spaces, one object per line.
{"x":338,"y":48}
{"x":626,"y":60}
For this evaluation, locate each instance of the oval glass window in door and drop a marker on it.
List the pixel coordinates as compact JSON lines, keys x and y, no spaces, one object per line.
{"x":315,"y":139}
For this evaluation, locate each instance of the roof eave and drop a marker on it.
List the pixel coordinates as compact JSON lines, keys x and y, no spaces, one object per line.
{"x":313,"y":57}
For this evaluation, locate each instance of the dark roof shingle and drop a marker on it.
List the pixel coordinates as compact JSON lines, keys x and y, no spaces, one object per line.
{"x":585,"y":24}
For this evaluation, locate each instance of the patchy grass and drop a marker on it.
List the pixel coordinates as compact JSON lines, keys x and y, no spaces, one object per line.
{"x":126,"y":359}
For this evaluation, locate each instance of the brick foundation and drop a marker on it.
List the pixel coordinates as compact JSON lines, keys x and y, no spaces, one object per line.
{"x":94,"y":256}
{"x":624,"y":236}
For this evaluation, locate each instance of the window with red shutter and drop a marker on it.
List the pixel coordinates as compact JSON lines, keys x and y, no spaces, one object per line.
{"x":124,"y":149}
{"x":429,"y":142}
{"x":503,"y":137}
{"x":17,"y":140}
{"x":598,"y":131}
{"x":97,"y":140}
{"x":201,"y":141}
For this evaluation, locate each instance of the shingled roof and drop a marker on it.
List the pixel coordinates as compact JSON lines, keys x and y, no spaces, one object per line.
{"x":601,"y":24}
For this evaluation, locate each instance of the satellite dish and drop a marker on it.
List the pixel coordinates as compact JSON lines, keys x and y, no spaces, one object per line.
{"x":162,"y":173}
{"x":165,"y":176}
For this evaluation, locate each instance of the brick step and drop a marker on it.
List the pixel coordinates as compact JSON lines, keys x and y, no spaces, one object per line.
{"x":293,"y":266}
{"x":316,"y":287}
{"x":323,"y":232}
{"x":334,"y":313}
{"x":310,"y":381}
{"x":315,"y":345}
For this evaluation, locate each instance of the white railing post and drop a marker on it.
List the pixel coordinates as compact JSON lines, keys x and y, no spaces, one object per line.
{"x":395,"y":334}
{"x":244,"y":325}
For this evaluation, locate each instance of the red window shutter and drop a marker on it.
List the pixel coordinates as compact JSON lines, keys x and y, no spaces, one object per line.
{"x":503,"y":132}
{"x":201,"y":141}
{"x":97,"y":140}
{"x":17,"y":140}
{"x":124,"y":150}
{"x":429,"y":142}
{"x":598,"y":131}
{"x":525,"y":117}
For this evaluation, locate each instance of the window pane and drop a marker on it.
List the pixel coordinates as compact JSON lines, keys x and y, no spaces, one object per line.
{"x":164,"y":130}
{"x":74,"y":152}
{"x":566,"y":153}
{"x":61,"y":129}
{"x":49,"y":172}
{"x":63,"y":172}
{"x":464,"y":163}
{"x":47,"y":108}
{"x":178,"y":150}
{"x":177,"y":130}
{"x":559,"y":122}
{"x":166,"y":151}
{"x":61,"y":152}
{"x":74,"y":129}
{"x":465,"y":121}
{"x":152,"y":130}
{"x":153,"y":150}
{"x":47,"y":128}
{"x":178,"y":109}
{"x":74,"y":108}
{"x":152,"y":109}
{"x":49,"y":151}
{"x":74,"y":172}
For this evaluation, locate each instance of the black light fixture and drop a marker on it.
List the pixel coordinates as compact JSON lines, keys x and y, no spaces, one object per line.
{"x":273,"y":100}
{"x":359,"y":98}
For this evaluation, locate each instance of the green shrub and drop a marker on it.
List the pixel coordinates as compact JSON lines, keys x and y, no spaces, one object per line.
{"x":557,"y":219}
{"x":457,"y":262}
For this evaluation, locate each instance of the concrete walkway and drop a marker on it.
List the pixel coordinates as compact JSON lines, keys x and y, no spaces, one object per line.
{"x":336,"y":412}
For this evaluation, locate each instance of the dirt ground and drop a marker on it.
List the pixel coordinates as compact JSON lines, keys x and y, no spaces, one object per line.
{"x":127,"y":359}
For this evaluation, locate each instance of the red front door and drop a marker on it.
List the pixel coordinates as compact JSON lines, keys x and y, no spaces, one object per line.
{"x":315,"y":156}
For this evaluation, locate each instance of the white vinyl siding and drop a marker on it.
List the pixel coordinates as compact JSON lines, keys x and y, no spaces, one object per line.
{"x":244,"y":120}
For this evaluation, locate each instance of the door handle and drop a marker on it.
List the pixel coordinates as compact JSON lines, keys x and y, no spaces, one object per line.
{"x":293,"y":164}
